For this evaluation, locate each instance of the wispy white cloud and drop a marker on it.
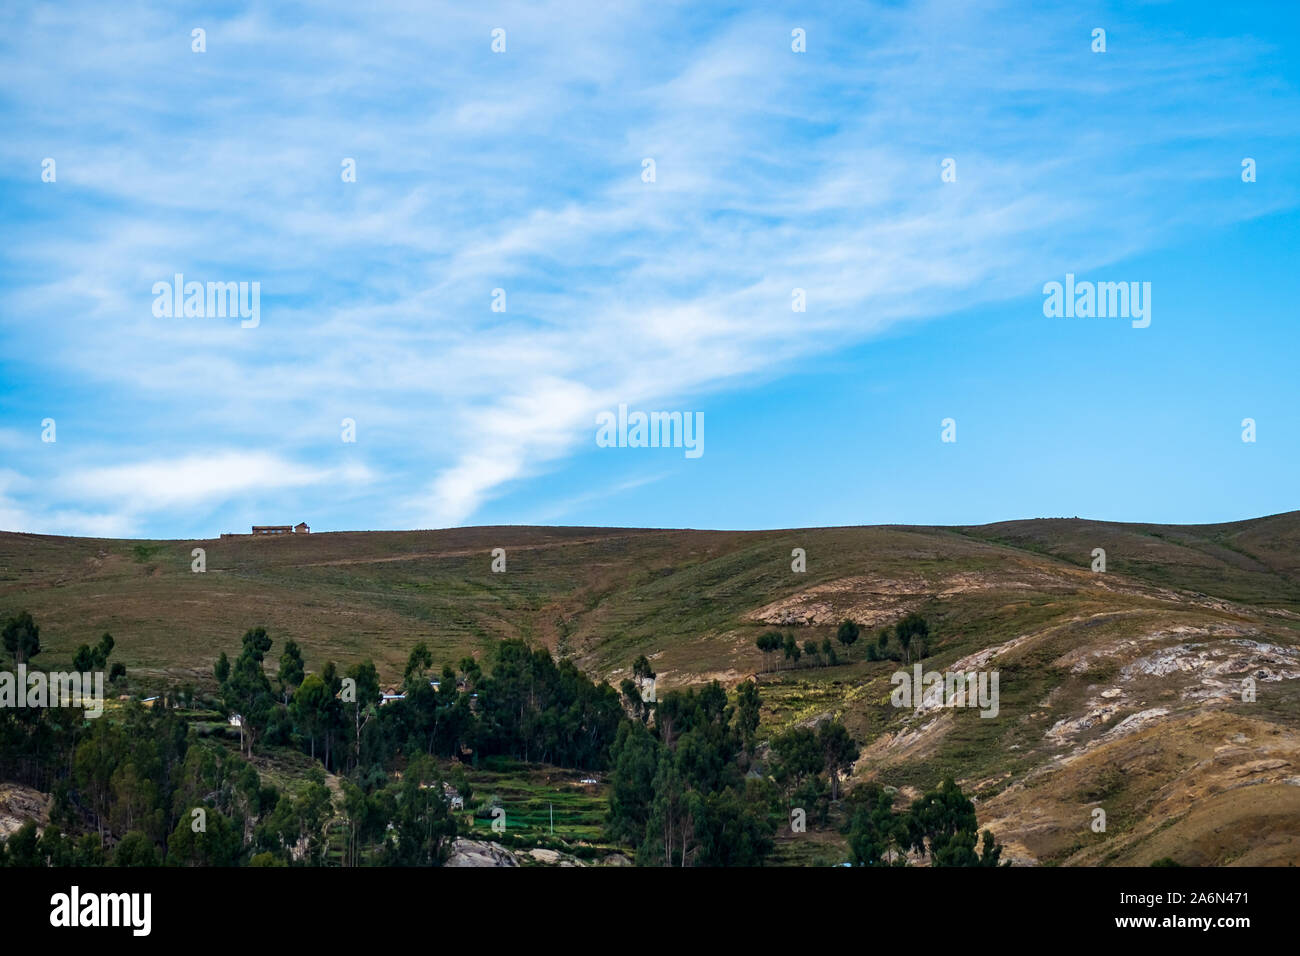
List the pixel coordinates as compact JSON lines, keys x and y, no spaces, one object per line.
{"x":169,"y":483}
{"x":522,"y":171}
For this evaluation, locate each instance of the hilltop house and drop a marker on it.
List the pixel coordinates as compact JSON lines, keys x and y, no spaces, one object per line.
{"x":299,"y":528}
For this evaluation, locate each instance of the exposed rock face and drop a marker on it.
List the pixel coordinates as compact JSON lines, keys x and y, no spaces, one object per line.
{"x":480,"y":853}
{"x":484,"y":853}
{"x":879,"y":600}
{"x":18,"y":804}
{"x":554,"y":858}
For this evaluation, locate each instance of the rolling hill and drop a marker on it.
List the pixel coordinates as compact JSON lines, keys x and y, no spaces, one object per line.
{"x":1119,"y":691}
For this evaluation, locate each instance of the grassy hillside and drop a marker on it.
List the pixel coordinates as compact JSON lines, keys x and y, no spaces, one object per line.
{"x":1118,"y":690}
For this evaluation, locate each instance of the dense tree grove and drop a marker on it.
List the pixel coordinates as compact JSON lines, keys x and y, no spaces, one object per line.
{"x":22,"y":637}
{"x":940,"y":826}
{"x":528,"y":706}
{"x":807,"y":762}
{"x":680,"y":793}
{"x":141,"y":789}
{"x":690,"y":781}
{"x":907,"y":640}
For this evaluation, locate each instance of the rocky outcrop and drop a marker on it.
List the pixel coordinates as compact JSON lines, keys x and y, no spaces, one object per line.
{"x":18,"y":804}
{"x":480,"y":853}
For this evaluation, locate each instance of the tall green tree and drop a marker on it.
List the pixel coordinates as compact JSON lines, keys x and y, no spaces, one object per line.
{"x":218,"y":843}
{"x":642,"y":670}
{"x":256,"y":643}
{"x":365,"y":705}
{"x":291,"y":671}
{"x":22,"y":637}
{"x":635,"y":762}
{"x":135,"y":849}
{"x":791,"y":649}
{"x":94,"y":658}
{"x":769,"y":641}
{"x":417,"y":664}
{"x":838,"y":752}
{"x":247,"y":691}
{"x":797,"y":755}
{"x":637,"y":704}
{"x":911,"y":631}
{"x":847,"y":634}
{"x":942,"y":824}
{"x":877,"y":835}
{"x":310,"y":709}
{"x":748,"y":708}
{"x":425,"y":828}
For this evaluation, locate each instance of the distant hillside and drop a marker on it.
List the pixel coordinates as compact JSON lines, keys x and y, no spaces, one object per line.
{"x":1118,"y":690}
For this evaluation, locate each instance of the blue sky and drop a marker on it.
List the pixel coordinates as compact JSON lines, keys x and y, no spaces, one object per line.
{"x":522,"y":170}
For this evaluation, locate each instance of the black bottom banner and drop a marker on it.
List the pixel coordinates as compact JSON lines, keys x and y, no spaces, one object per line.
{"x":394,"y":906}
